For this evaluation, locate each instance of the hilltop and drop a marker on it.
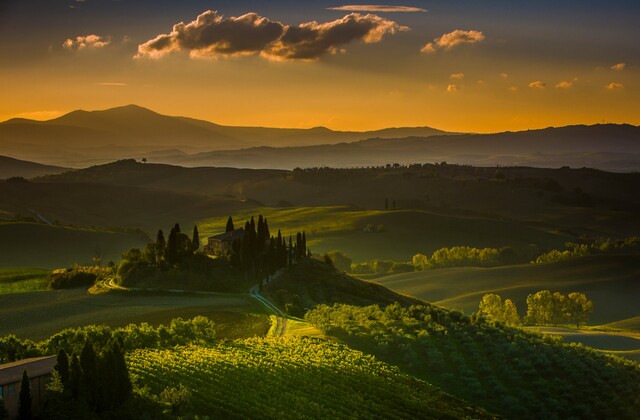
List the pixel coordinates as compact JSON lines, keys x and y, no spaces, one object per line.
{"x":133,"y":130}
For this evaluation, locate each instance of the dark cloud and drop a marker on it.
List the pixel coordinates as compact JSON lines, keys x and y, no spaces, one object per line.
{"x":378,"y":8}
{"x":212,"y":35}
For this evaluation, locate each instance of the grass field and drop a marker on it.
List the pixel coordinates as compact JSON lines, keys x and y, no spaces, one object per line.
{"x":23,"y":280}
{"x":39,"y":315}
{"x":44,"y":246}
{"x":631,"y":324}
{"x":611,"y":281}
{"x":405,"y":232}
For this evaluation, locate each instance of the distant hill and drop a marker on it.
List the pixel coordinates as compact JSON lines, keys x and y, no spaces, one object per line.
{"x":609,"y":147}
{"x":88,"y":137}
{"x":10,"y":167}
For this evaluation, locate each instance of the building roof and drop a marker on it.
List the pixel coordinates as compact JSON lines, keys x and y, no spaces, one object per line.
{"x":38,"y":366}
{"x":229,"y":236}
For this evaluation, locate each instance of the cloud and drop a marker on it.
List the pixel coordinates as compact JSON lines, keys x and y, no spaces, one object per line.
{"x":211,"y":35}
{"x":452,"y":39}
{"x":504,"y":75}
{"x":309,"y":41}
{"x":452,"y":88}
{"x":111,"y":84}
{"x":377,"y":8}
{"x":87,"y":41}
{"x":565,"y":84}
{"x":537,"y":85}
{"x":618,"y":66}
{"x":614,"y":86}
{"x":457,"y":75}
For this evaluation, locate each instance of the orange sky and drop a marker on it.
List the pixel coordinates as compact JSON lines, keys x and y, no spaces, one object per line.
{"x":480,"y":74}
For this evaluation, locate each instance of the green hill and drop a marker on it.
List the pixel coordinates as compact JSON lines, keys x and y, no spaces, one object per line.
{"x":22,"y":280}
{"x":292,"y":378}
{"x":611,"y":281}
{"x":44,"y":246}
{"x":404,"y":232}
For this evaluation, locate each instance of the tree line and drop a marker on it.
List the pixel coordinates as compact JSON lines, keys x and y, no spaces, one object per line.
{"x":543,"y":308}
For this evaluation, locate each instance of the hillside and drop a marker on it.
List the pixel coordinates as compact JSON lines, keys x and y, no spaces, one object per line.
{"x":10,"y":167}
{"x":576,"y":201}
{"x":90,"y":204}
{"x":44,"y":246}
{"x":609,"y":147}
{"x":131,"y":130}
{"x":313,"y":283}
{"x":292,"y":378}
{"x":610,"y":281}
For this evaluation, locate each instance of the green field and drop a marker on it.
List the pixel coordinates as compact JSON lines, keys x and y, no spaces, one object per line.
{"x":45,"y":246}
{"x":623,"y":344}
{"x":23,"y":280}
{"x":405,"y":232}
{"x":291,"y":378}
{"x":39,"y":315}
{"x":631,"y":324}
{"x":610,"y":281}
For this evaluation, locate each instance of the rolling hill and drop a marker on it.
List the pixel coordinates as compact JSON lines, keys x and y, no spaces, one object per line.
{"x":610,"y":281}
{"x":10,"y":167}
{"x":609,"y":147}
{"x":82,"y":137}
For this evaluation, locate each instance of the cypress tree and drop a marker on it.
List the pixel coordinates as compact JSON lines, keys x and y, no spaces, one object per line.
{"x":177,"y":227}
{"x":75,"y":377}
{"x":230,"y":227}
{"x":89,"y":364}
{"x":123,"y":382}
{"x":161,"y":247}
{"x":267,"y":234}
{"x":62,"y":366}
{"x":304,"y":243}
{"x":172,"y":247}
{"x":298,"y":247}
{"x":195,"y":242}
{"x":24,"y":405}
{"x":290,"y":252}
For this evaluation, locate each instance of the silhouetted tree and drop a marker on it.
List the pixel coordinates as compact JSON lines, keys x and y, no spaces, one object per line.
{"x":195,"y":242}
{"x":24,"y":404}
{"x":62,"y":366}
{"x":75,"y":377}
{"x":161,"y":247}
{"x":90,"y":374}
{"x":230,"y":227}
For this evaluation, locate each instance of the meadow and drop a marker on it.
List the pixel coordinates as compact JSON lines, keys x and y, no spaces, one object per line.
{"x":23,"y":280}
{"x":45,"y":246}
{"x":397,"y":235}
{"x":40,"y":314}
{"x":609,"y":280}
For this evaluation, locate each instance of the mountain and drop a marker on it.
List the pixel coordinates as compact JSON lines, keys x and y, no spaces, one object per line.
{"x":608,"y":147}
{"x":10,"y":167}
{"x":81,"y":138}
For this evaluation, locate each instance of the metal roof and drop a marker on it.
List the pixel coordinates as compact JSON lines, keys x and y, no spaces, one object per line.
{"x":38,"y":366}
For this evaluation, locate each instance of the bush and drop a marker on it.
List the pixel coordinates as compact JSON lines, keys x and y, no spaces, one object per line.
{"x":72,"y":277}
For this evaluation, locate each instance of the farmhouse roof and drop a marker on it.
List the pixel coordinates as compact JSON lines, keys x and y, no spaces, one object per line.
{"x":38,"y":366}
{"x":229,"y":236}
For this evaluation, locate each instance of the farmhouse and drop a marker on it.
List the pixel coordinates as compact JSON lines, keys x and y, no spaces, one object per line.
{"x":39,"y":370}
{"x":220,"y":244}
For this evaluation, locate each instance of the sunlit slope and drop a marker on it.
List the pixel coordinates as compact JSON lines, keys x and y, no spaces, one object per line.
{"x":611,"y":281}
{"x":292,"y":378}
{"x":404,"y":232}
{"x":44,"y":246}
{"x":38,"y":315}
{"x":23,"y":280}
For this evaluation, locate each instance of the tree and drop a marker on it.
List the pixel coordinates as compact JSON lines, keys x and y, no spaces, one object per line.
{"x":75,"y":377}
{"x":511,"y":316}
{"x":90,"y":376}
{"x":62,"y":366}
{"x":161,"y":244}
{"x":229,"y":227}
{"x":579,"y":308}
{"x":420,"y":262}
{"x":195,"y":242}
{"x":24,"y":405}
{"x":340,"y":261}
{"x":559,"y":308}
{"x":492,"y":307}
{"x":172,"y":247}
{"x":539,"y":308}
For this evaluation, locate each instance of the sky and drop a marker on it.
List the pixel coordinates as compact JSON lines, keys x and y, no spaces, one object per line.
{"x":456,"y":65}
